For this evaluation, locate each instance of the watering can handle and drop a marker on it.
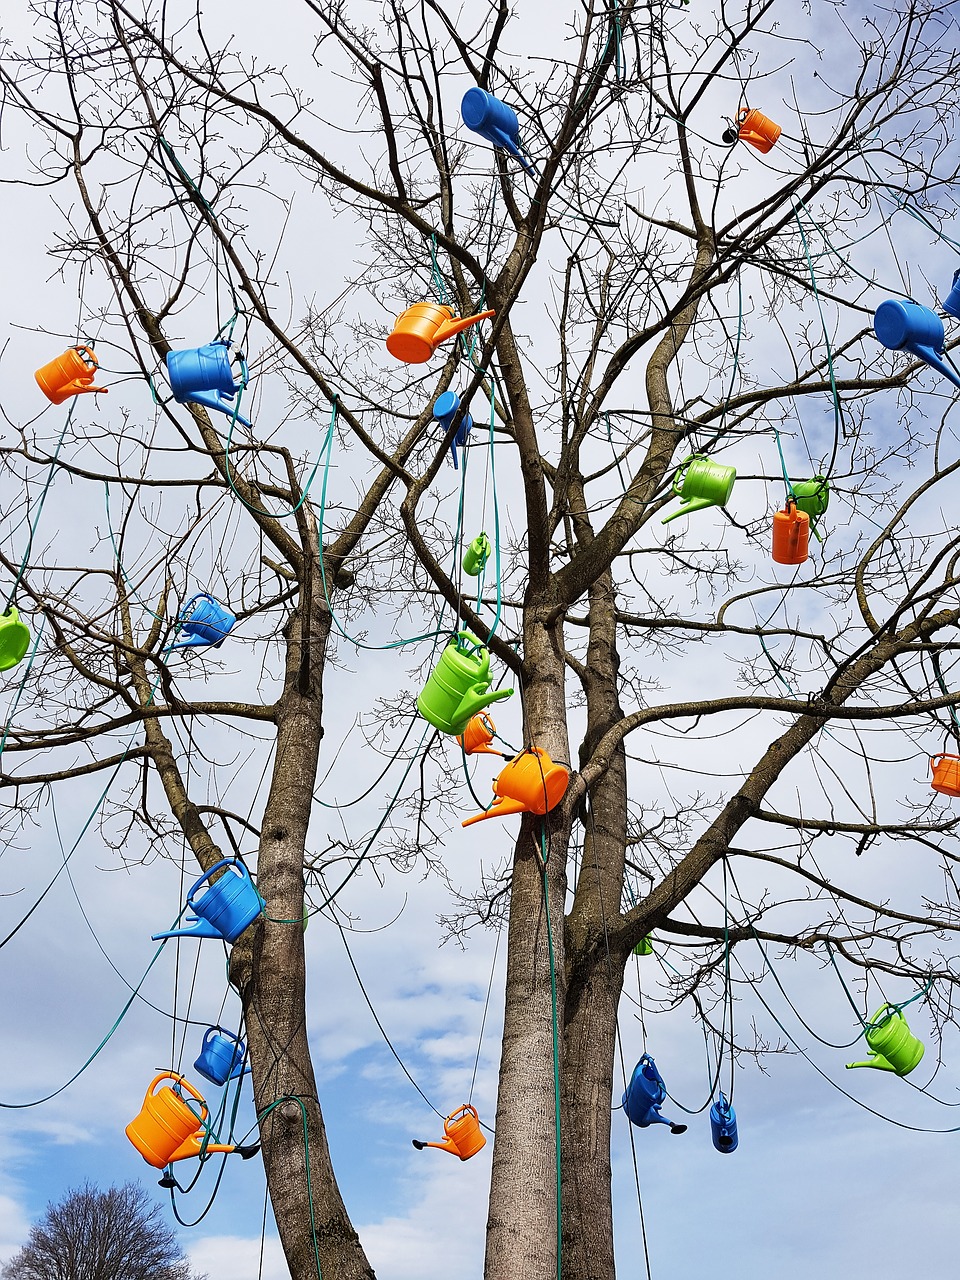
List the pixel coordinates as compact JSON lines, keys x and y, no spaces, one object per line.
{"x":184,"y":1083}
{"x":461,"y":1111}
{"x":680,"y":475}
{"x":224,"y":862}
{"x":742,"y":114}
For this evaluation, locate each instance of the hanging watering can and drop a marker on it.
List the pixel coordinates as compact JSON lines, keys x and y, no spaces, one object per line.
{"x":444,"y":411}
{"x":167,"y":1129}
{"x":461,"y":1134}
{"x":902,"y":325}
{"x":644,"y":947}
{"x":812,"y":496}
{"x":478,"y":735}
{"x":645,"y":1095}
{"x":476,"y":555}
{"x":791,"y":535}
{"x":494,"y":121}
{"x":952,"y":304}
{"x":14,"y":639}
{"x":754,"y":127}
{"x":420,"y":329}
{"x":723,"y":1126}
{"x":701,"y":483}
{"x":225,"y":910}
{"x":203,"y":375}
{"x":221,"y":1056}
{"x":69,"y":375}
{"x":946,"y":774}
{"x":204,"y":620}
{"x":893,"y":1047}
{"x":459,"y":685}
{"x":530,"y":783}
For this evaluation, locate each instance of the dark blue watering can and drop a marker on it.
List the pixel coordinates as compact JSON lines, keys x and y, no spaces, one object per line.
{"x":645,"y":1095}
{"x":952,"y":304}
{"x":445,"y":410}
{"x":227,"y":907}
{"x":204,"y":620}
{"x":723,"y":1126}
{"x":902,"y":325}
{"x":202,"y":375}
{"x":222,"y":1056}
{"x":494,"y":121}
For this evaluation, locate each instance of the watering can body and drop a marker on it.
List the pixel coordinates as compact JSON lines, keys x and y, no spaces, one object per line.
{"x":701,"y":483}
{"x":478,"y":735}
{"x":14,"y":639}
{"x":530,"y":783}
{"x":757,"y":129}
{"x":203,"y":375}
{"x":791,"y":535}
{"x":228,"y":906}
{"x":644,"y":947}
{"x":205,"y":621}
{"x":893,"y":1047}
{"x":461,"y":1134}
{"x":902,"y":325}
{"x":952,"y":302}
{"x":946,"y":774}
{"x":476,"y":555}
{"x":444,"y":411}
{"x":221,"y":1057}
{"x":645,"y":1095}
{"x":723,"y":1126}
{"x":812,"y":496}
{"x":167,"y":1129}
{"x":459,"y":686}
{"x":494,"y":121}
{"x":420,"y":329}
{"x":69,"y":375}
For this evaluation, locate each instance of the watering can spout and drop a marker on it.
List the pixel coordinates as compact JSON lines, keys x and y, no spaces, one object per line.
{"x":479,"y":698}
{"x":876,"y":1060}
{"x":192,"y":642}
{"x":450,"y":328}
{"x":502,"y":807}
{"x":216,"y":401}
{"x":193,"y":1146}
{"x":930,"y":357}
{"x":694,"y":504}
{"x":197,"y":929}
{"x":446,"y":1145}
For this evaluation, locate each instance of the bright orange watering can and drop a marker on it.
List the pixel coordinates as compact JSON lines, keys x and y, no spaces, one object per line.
{"x":168,"y":1129}
{"x":530,"y":783}
{"x":478,"y":735}
{"x":69,"y":375}
{"x":946,"y":774}
{"x":754,"y":127}
{"x":461,"y":1134}
{"x":420,"y":329}
{"x":791,"y":535}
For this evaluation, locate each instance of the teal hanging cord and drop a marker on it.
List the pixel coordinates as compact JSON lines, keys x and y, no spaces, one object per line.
{"x":259,"y":511}
{"x":837,"y":409}
{"x":556,"y":1042}
{"x":306,"y":1147}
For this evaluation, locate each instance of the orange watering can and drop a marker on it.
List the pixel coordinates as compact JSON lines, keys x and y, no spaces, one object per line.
{"x":530,"y":783}
{"x":478,"y":735}
{"x":754,"y":127}
{"x":791,"y":535}
{"x":168,"y":1129}
{"x":946,"y":774}
{"x":69,"y":375}
{"x":420,"y":329}
{"x":461,"y":1133}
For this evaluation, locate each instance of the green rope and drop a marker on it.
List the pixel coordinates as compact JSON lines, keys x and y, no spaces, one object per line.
{"x":259,"y":511}
{"x":261,"y":1116}
{"x":556,"y":1044}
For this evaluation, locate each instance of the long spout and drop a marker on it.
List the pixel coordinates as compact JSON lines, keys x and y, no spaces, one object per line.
{"x":449,"y":328}
{"x":502,"y":807}
{"x":446,"y":1145}
{"x":78,"y":388}
{"x":930,"y":357}
{"x":694,"y":504}
{"x":877,"y":1060}
{"x":192,"y":642}
{"x":210,"y":400}
{"x":198,"y":929}
{"x":193,"y":1146}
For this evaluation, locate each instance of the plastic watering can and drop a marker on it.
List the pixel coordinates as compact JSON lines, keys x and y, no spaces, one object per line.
{"x":167,"y":1129}
{"x":14,"y":639}
{"x":723,"y":1126}
{"x":644,"y":947}
{"x":893,"y":1047}
{"x":204,"y":620}
{"x":69,"y":375}
{"x":902,"y":325}
{"x":478,"y":735}
{"x":461,"y":1134}
{"x":754,"y":127}
{"x":227,"y":907}
{"x":530,"y":783}
{"x":477,"y":555}
{"x":701,"y":483}
{"x":946,"y":774}
{"x":221,"y":1056}
{"x":812,"y":496}
{"x":791,"y":535}
{"x":444,"y":411}
{"x":202,"y":375}
{"x":420,"y":329}
{"x":952,"y":303}
{"x":459,"y":686}
{"x":494,"y":121}
{"x":645,"y":1095}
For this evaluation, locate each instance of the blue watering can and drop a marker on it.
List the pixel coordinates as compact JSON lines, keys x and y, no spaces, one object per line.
{"x":494,"y":121}
{"x":204,"y":620}
{"x":227,"y":907}
{"x":202,"y":375}
{"x":444,"y":411}
{"x":952,"y":304}
{"x":645,"y":1095}
{"x":221,"y":1056}
{"x":906,"y":326}
{"x":723,"y":1126}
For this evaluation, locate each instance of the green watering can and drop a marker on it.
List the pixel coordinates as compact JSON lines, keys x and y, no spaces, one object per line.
{"x":14,"y":639}
{"x":476,"y":555}
{"x":459,"y":685}
{"x":701,"y":483}
{"x":644,"y":947}
{"x":812,"y":497}
{"x":893,"y":1046}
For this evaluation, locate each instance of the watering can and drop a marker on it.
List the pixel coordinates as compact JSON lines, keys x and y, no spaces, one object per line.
{"x":444,"y":411}
{"x":205,"y":621}
{"x":812,"y":496}
{"x":69,"y":375}
{"x":420,"y":329}
{"x":494,"y":121}
{"x":477,"y":555}
{"x":644,"y":947}
{"x":461,"y":1134}
{"x":791,"y":535}
{"x":227,"y":907}
{"x":530,"y":783}
{"x":701,"y":483}
{"x":952,"y":304}
{"x":723,"y":1126}
{"x":202,"y":375}
{"x":902,"y":325}
{"x":459,"y":685}
{"x":893,"y":1047}
{"x":754,"y":127}
{"x":14,"y":639}
{"x":946,"y":774}
{"x":221,"y":1056}
{"x":168,"y":1129}
{"x":645,"y":1095}
{"x":478,"y":735}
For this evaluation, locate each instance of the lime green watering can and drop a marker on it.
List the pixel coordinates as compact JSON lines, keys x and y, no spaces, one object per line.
{"x":14,"y":639}
{"x":459,"y":686}
{"x":893,"y":1046}
{"x":701,"y":483}
{"x":812,"y":497}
